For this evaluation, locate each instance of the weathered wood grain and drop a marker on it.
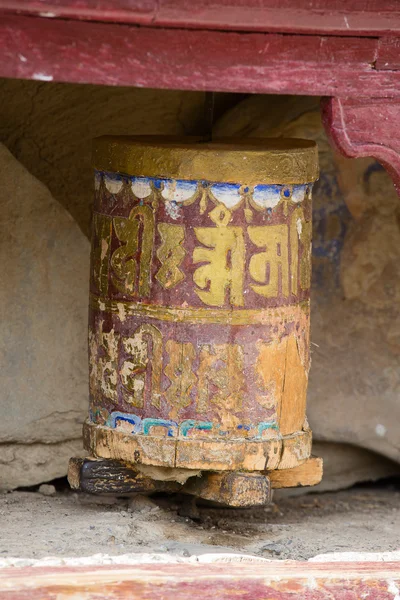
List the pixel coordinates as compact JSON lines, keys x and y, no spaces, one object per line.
{"x":318,"y":16}
{"x":388,"y":56}
{"x":233,"y":489}
{"x":295,"y":449}
{"x":308,"y":473}
{"x":103,"y":476}
{"x":292,"y":407}
{"x":112,"y":54}
{"x":103,"y":442}
{"x":276,"y":580}
{"x":96,"y":476}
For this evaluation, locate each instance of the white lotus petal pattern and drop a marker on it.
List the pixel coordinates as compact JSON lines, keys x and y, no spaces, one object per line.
{"x":178,"y":191}
{"x":141,"y":187}
{"x":113,"y":184}
{"x":267,"y":196}
{"x":298,"y":193}
{"x":227,"y":193}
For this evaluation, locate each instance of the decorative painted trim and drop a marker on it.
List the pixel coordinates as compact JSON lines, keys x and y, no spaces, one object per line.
{"x":191,"y":424}
{"x":120,"y":417}
{"x":183,"y":192}
{"x":267,"y":426}
{"x":173,"y":429}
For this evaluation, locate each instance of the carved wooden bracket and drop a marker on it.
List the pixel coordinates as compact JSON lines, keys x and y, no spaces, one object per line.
{"x":365,"y":127}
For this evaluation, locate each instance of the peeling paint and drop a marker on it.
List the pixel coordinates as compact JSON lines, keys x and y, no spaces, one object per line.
{"x":42,"y":77}
{"x":172,"y":209}
{"x":299,"y":227}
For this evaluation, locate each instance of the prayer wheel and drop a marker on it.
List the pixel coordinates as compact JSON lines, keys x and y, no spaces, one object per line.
{"x":200,"y":307}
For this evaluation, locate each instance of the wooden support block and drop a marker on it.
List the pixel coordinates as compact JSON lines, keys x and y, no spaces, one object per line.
{"x":97,"y":476}
{"x":308,"y":473}
{"x":233,"y":489}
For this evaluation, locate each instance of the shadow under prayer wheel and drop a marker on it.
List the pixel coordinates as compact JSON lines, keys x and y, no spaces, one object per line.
{"x":200,"y":304}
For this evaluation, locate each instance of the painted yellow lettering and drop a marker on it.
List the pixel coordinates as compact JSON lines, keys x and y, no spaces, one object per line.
{"x":145,"y":353}
{"x":170,"y":254}
{"x":271,"y":267}
{"x":179,"y":372}
{"x":225,"y":257}
{"x":126,"y":259}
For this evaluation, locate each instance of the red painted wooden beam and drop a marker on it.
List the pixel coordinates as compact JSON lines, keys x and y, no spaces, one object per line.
{"x":110,"y":54}
{"x":275,"y":580}
{"x":343,"y":17}
{"x":365,"y":127}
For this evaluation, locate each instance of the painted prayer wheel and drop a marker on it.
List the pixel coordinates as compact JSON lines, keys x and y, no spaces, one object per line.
{"x":199,"y":303}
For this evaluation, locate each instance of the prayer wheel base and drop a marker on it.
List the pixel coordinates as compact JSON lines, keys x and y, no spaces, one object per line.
{"x":274,"y":452}
{"x":237,"y":473}
{"x":235,"y":489}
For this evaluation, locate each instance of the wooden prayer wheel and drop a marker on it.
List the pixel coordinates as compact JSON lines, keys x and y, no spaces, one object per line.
{"x":200,"y":308}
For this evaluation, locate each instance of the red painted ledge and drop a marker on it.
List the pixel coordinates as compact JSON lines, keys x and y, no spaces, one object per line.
{"x":111,"y":54}
{"x":328,"y":17}
{"x":274,"y":580}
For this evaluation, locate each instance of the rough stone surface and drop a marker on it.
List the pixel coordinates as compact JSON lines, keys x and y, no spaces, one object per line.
{"x":50,"y":127}
{"x":43,"y":299}
{"x":354,"y":385}
{"x":357,"y":520}
{"x":43,"y":350}
{"x":47,"y":489}
{"x":24,"y":465}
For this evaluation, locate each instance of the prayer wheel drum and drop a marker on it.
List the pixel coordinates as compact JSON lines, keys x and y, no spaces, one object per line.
{"x":199,"y":303}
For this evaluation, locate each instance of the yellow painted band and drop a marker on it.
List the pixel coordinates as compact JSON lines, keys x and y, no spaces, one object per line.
{"x":246,"y":162}
{"x":200,"y":316}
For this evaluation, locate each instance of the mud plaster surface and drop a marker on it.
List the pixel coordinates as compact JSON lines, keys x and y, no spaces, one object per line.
{"x":33,"y":526}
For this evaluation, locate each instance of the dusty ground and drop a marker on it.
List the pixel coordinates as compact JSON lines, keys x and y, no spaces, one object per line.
{"x":70,"y":524}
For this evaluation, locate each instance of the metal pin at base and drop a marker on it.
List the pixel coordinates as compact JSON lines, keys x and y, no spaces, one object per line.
{"x":199,"y":312}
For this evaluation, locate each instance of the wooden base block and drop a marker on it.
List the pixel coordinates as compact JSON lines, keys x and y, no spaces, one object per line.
{"x":233,"y":489}
{"x":99,"y":476}
{"x":102,"y":476}
{"x":206,"y":455}
{"x":308,"y":473}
